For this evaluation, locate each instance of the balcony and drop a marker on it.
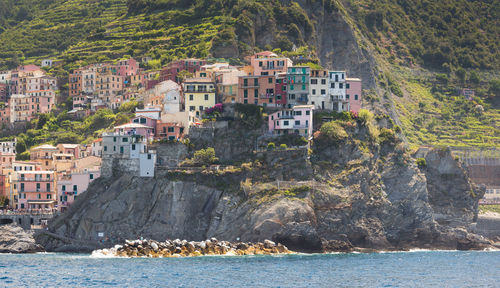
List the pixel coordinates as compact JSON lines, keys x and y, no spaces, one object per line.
{"x":199,"y":90}
{"x":266,"y":95}
{"x":34,"y":180}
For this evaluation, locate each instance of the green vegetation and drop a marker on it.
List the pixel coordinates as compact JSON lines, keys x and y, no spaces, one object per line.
{"x":202,"y":157}
{"x":437,"y":34}
{"x":271,"y":146}
{"x":489,"y":208}
{"x":4,"y":201}
{"x":333,"y":131}
{"x":421,"y":163}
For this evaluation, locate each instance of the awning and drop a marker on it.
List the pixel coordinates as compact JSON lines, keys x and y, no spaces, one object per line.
{"x":41,"y":201}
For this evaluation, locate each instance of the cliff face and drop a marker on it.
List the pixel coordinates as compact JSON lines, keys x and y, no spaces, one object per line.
{"x":342,"y":195}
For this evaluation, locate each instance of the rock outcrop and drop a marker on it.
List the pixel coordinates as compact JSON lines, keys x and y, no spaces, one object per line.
{"x":352,"y":193}
{"x":13,"y":239}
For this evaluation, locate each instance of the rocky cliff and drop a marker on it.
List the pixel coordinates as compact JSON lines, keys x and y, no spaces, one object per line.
{"x":352,"y":191}
{"x":13,"y":239}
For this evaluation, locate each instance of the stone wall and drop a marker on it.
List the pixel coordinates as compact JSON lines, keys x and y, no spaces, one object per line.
{"x":170,"y":154}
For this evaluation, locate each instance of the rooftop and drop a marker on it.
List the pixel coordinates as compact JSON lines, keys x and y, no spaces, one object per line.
{"x":44,"y":146}
{"x":132,"y":125}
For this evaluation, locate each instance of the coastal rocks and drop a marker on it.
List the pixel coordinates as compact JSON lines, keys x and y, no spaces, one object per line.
{"x":13,"y":239}
{"x":178,"y":248}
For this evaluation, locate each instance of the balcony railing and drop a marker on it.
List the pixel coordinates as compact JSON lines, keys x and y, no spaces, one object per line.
{"x":266,"y":95}
{"x":200,"y":90}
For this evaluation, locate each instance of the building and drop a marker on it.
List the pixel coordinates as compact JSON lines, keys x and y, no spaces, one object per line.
{"x":492,"y":194}
{"x":280,"y":90}
{"x":47,"y":63}
{"x":298,"y":85}
{"x":248,"y":90}
{"x":8,"y":146}
{"x":318,"y":89}
{"x":199,"y":94}
{"x":172,"y":70}
{"x":169,"y":131}
{"x":72,"y":149}
{"x":7,"y":158}
{"x":36,"y":189}
{"x":297,"y":120}
{"x":97,"y":148}
{"x":353,"y":94}
{"x":269,"y":63}
{"x":72,"y":184}
{"x":337,"y":91}
{"x":135,"y":128}
{"x":43,"y":155}
{"x":127,"y":154}
{"x":227,"y":84}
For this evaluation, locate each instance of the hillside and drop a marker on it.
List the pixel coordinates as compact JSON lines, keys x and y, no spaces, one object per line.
{"x":396,"y":47}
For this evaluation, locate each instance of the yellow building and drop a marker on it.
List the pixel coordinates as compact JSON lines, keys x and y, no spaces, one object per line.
{"x":199,"y":94}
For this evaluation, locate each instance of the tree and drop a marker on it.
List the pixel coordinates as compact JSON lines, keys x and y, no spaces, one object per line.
{"x":4,"y":201}
{"x":495,"y":87}
{"x":474,"y":78}
{"x":461,"y":73}
{"x":205,"y":156}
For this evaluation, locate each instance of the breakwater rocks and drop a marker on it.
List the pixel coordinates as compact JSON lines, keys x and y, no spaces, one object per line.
{"x":183,"y":248}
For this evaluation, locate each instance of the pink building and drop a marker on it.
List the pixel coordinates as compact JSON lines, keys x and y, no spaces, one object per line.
{"x":36,"y":189}
{"x":71,"y":185}
{"x":171,"y":71}
{"x":298,"y":120}
{"x":42,"y":101}
{"x":353,"y":94}
{"x":268,"y":63}
{"x":280,"y":89}
{"x":127,"y":67}
{"x":73,"y":149}
{"x":136,"y":129}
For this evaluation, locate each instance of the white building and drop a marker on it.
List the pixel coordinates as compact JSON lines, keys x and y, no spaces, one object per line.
{"x":128,"y":154}
{"x":337,"y":91}
{"x":8,"y":146}
{"x":318,"y":90}
{"x":150,"y":112}
{"x":47,"y":63}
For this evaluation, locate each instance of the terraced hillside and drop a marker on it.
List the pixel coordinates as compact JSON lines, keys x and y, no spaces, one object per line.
{"x":412,"y":55}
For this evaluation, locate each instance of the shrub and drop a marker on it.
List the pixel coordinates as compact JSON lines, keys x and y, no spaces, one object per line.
{"x":283,"y":146}
{"x":271,"y":146}
{"x":387,"y":136}
{"x":421,"y":162}
{"x":333,"y":131}
{"x":365,"y":116}
{"x":205,"y":156}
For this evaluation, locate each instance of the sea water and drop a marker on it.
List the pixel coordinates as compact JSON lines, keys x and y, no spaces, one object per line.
{"x":399,"y":269}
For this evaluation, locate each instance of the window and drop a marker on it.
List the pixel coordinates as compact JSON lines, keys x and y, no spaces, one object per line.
{"x":346,"y":96}
{"x":297,"y":122}
{"x":245,"y":101}
{"x":347,"y":85}
{"x":48,"y":187}
{"x":191,"y":108}
{"x":201,"y":108}
{"x":206,"y":97}
{"x":308,"y":112}
{"x":260,"y":63}
{"x":355,"y":96}
{"x":114,"y":139}
{"x":313,"y":91}
{"x":37,"y":187}
{"x":336,"y":78}
{"x":245,"y":93}
{"x":22,"y":187}
{"x":298,"y":113}
{"x":121,"y":149}
{"x":171,"y":129}
{"x":270,"y":80}
{"x":133,"y":148}
{"x":323,"y":81}
{"x":75,"y":188}
{"x":323,"y":91}
{"x":256,"y":82}
{"x":191,"y":97}
{"x":291,"y":87}
{"x":125,"y":139}
{"x":341,"y":85}
{"x":256,"y":93}
{"x":285,"y":123}
{"x":39,"y":196}
{"x":143,"y":120}
{"x":63,"y":188}
{"x":149,"y":156}
{"x":105,"y":148}
{"x":333,"y":86}
{"x":314,"y":81}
